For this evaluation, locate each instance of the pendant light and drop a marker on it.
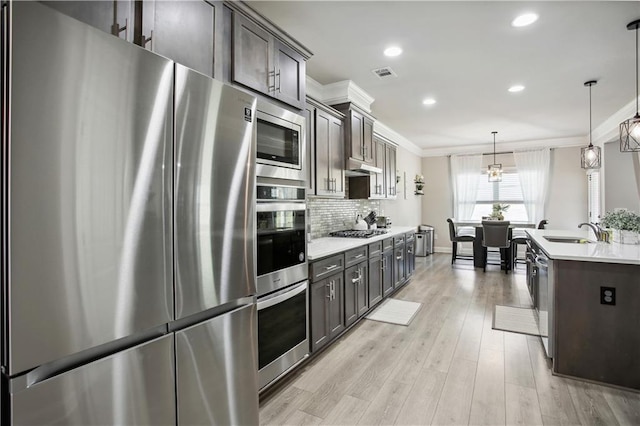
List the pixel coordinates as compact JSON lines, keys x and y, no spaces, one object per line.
{"x":494,"y":170}
{"x":590,"y":155}
{"x":630,"y":129}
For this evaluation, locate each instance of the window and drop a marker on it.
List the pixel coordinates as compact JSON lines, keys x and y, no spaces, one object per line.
{"x":593,"y":195}
{"x":508,"y":191}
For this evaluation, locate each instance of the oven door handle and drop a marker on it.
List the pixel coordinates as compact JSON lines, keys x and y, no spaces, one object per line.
{"x":279,"y":207}
{"x":281,"y":297}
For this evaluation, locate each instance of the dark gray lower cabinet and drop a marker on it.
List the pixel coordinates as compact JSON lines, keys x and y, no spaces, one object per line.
{"x":356,"y":301}
{"x":375,"y":280}
{"x":387,"y":266}
{"x":410,"y":255}
{"x":399,"y":274}
{"x":326,"y":310}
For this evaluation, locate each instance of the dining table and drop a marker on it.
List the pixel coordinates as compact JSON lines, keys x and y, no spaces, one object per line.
{"x":478,"y":251}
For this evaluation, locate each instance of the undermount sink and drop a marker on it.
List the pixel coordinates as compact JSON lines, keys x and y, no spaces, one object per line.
{"x":562,"y":239}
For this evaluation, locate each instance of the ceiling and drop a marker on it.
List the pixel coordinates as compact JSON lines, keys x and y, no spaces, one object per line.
{"x":466,"y":55}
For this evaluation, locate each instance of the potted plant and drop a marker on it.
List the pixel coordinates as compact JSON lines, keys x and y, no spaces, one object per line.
{"x":625,"y":225}
{"x":498,"y":210}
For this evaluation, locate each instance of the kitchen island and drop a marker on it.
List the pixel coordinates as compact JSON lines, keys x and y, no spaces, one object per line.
{"x":594,"y":307}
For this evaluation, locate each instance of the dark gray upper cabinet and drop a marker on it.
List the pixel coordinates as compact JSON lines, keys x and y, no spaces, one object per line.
{"x":188,"y":32}
{"x":310,"y":117}
{"x":390,"y":171}
{"x":265,"y":64}
{"x":115,"y":17}
{"x":359,"y":135}
{"x":184,"y":31}
{"x":327,"y":147}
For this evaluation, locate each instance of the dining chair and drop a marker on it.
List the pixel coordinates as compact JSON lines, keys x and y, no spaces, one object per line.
{"x":520,"y":237}
{"x":495,"y":234}
{"x":456,"y":238}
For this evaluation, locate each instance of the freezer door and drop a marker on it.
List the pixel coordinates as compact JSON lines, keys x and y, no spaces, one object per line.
{"x":89,"y":191}
{"x":214,"y":193}
{"x":135,"y":386}
{"x":217,"y":369}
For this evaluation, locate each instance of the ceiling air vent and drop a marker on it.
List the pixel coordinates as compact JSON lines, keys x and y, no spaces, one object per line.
{"x":384,"y":72}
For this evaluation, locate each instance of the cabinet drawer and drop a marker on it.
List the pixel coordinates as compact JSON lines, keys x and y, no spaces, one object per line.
{"x":398,"y":240}
{"x":325,"y":267}
{"x":375,"y":249}
{"x":387,"y":244}
{"x":409,"y":237}
{"x":356,"y":255}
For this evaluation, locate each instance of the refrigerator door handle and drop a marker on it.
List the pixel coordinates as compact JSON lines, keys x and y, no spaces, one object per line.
{"x":281,"y":297}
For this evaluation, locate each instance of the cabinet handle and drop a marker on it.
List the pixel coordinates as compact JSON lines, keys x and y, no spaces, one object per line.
{"x":399,"y":257}
{"x":328,"y":286}
{"x":278,"y":79}
{"x":359,"y":256}
{"x":146,"y":40}
{"x":272,"y":87}
{"x":116,"y":29}
{"x":329,"y":268}
{"x":333,"y":290}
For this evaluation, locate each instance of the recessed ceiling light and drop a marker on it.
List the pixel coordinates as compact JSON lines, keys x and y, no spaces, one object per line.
{"x":524,"y":20}
{"x":516,"y":88}
{"x":392,"y":51}
{"x":429,"y":101}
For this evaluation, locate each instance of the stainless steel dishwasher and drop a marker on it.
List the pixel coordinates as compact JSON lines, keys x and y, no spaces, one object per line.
{"x":544,"y":305}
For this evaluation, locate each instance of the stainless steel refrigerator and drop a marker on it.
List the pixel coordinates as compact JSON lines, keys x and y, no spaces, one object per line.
{"x":128,"y":289}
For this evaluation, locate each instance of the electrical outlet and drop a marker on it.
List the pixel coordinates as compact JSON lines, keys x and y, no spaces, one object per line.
{"x":607,"y":296}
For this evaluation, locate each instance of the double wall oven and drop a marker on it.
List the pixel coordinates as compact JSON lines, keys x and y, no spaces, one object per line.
{"x":282,"y":270}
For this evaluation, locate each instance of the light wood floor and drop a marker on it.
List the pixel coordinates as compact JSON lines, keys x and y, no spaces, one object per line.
{"x":447,"y":367}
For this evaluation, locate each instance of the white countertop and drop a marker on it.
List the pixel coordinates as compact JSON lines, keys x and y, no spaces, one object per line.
{"x":323,"y":247}
{"x":597,"y":251}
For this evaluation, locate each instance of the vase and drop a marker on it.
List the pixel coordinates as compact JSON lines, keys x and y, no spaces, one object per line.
{"x":626,"y":237}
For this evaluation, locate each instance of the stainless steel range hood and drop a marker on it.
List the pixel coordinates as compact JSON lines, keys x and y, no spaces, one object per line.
{"x":357,"y":167}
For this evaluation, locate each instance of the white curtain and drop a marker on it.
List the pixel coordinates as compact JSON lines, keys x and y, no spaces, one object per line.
{"x":533,"y":170}
{"x":464,"y":177}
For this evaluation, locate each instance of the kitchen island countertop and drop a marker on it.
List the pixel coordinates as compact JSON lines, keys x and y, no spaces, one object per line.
{"x":326,"y":246}
{"x":597,"y":251}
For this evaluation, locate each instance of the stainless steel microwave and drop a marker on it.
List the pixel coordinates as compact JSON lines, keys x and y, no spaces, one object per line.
{"x":280,"y":142}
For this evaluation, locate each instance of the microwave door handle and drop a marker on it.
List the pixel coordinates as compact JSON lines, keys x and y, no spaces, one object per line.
{"x":279,"y":298}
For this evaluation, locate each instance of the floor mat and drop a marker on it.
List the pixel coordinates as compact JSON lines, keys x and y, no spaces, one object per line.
{"x":395,"y":311}
{"x":515,"y":319}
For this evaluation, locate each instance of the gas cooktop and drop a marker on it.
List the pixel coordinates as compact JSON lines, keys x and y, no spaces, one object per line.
{"x":358,"y":234}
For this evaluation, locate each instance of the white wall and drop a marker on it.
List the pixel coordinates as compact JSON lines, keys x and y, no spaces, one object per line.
{"x":405,"y":211}
{"x":437,"y":203}
{"x":567,"y":200}
{"x":620,"y":188}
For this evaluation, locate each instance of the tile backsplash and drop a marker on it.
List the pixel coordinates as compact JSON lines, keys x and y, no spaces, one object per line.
{"x":327,"y":215}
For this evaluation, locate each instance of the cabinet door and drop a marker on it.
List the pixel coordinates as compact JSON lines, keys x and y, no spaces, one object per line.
{"x":356,"y":124}
{"x":336,"y":155}
{"x":351,"y":280}
{"x":324,"y":165}
{"x":290,"y":74}
{"x":252,"y":55}
{"x":113,"y":17}
{"x":375,"y":280}
{"x":387,"y":272}
{"x":398,"y":270}
{"x":377,"y":180}
{"x":336,"y":306}
{"x":319,"y":313}
{"x":182,"y":31}
{"x":310,"y":116}
{"x":410,"y":257}
{"x":367,"y":140}
{"x":362,"y":289}
{"x":390,"y":156}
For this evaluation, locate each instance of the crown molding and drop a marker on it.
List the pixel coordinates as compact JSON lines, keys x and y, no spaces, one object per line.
{"x":314,"y":89}
{"x":347,"y":91}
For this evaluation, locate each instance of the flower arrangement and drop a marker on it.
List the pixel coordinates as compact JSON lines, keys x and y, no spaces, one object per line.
{"x":621,"y":219}
{"x":498,"y":209}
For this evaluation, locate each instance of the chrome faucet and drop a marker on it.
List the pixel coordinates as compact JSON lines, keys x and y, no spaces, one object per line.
{"x":601,"y":234}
